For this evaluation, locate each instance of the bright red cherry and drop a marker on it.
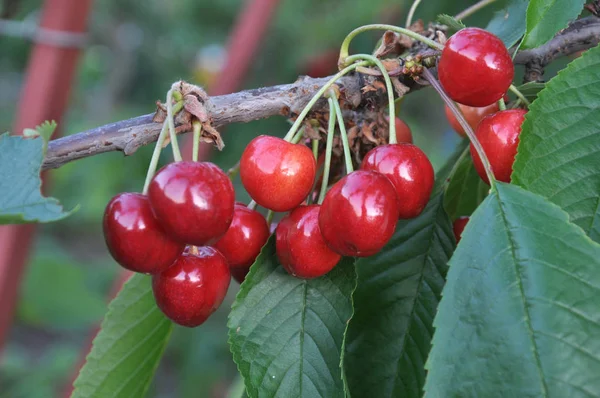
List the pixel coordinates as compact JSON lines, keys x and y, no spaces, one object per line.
{"x":278,"y":175}
{"x":475,"y":68}
{"x":499,"y":137}
{"x":409,"y":170}
{"x":458,"y":226}
{"x":190,"y":290}
{"x":359,"y":214}
{"x":133,"y":236}
{"x":192,"y":201}
{"x":300,"y":246}
{"x":242,"y":242}
{"x":403,"y":133}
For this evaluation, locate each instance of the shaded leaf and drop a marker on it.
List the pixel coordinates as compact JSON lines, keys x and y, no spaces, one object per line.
{"x":286,"y":333}
{"x":531,"y":90}
{"x":450,"y":22}
{"x":128,"y":348}
{"x":44,"y":130}
{"x":509,"y":23}
{"x":546,"y":17}
{"x":520,"y":312}
{"x":559,"y":149}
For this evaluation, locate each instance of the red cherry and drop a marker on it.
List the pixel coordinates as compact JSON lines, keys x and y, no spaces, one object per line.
{"x":499,"y":137}
{"x":277,"y":175}
{"x":403,"y":133}
{"x":304,"y":253}
{"x":458,"y":226}
{"x":359,"y":214}
{"x":242,"y":242}
{"x":133,"y":236}
{"x":472,"y":114}
{"x":409,"y":170}
{"x":475,"y":68}
{"x":190,"y":290}
{"x":192,"y":201}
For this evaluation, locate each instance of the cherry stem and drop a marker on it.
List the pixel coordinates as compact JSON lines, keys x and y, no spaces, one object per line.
{"x":519,"y":94}
{"x":233,"y":171}
{"x":315,"y":149}
{"x":172,"y":132}
{"x":328,"y":150}
{"x":501,"y":104}
{"x":473,"y":9}
{"x":346,"y":43}
{"x":298,"y":137}
{"x":461,"y":119}
{"x":411,"y":12}
{"x":292,"y":132}
{"x":389,"y":88}
{"x":269,"y":217}
{"x":155,"y":157}
{"x":346,"y":145}
{"x":252,"y":205}
{"x":197,"y":126}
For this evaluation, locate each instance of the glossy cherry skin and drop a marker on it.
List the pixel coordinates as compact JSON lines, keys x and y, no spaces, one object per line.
{"x":193,"y":201}
{"x":190,"y":290}
{"x":242,"y":242}
{"x":133,"y":236}
{"x":458,"y":226}
{"x":499,"y":137}
{"x":277,"y":175}
{"x":300,"y":246}
{"x":359,"y":214}
{"x":475,"y":68}
{"x":409,"y":170}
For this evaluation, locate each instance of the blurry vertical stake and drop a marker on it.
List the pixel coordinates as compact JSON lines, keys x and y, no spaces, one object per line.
{"x":248,"y":33}
{"x":44,"y":97}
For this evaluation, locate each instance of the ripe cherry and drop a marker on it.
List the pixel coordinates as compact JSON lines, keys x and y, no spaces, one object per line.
{"x":458,"y":226}
{"x":403,"y":132}
{"x":192,"y":201}
{"x":278,"y":175}
{"x":300,"y":246}
{"x":475,"y":68}
{"x":359,"y":214}
{"x":409,"y":170}
{"x":190,"y":290}
{"x":133,"y":236}
{"x":473,"y":115}
{"x":499,"y":137}
{"x":242,"y":242}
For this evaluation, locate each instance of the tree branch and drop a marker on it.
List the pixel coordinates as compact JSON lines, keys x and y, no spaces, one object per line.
{"x":128,"y":135}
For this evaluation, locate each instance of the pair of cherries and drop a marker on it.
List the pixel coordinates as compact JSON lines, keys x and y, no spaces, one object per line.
{"x":189,"y":235}
{"x":359,"y":213}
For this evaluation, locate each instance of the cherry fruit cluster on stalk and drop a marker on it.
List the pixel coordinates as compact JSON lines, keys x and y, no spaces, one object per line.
{"x":187,"y":231}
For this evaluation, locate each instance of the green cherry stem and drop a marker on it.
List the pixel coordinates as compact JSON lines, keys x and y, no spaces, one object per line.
{"x":411,"y":12}
{"x":197,"y":126}
{"x":501,"y":104}
{"x":298,"y":137}
{"x":473,"y":9}
{"x":155,"y":156}
{"x":519,"y":94}
{"x":344,"y":51}
{"x":461,"y":119}
{"x":269,"y":217}
{"x":292,"y":132}
{"x":340,"y":119}
{"x":172,"y":132}
{"x":252,"y":205}
{"x":328,"y":150}
{"x":389,"y":88}
{"x":315,"y":149}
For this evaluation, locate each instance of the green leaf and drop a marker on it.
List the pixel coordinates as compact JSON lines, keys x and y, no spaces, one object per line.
{"x":559,"y":149}
{"x":531,"y":90}
{"x":44,"y":130}
{"x":129,"y":346}
{"x":286,"y":333}
{"x":395,"y":301}
{"x":519,"y":315}
{"x":546,"y":17}
{"x":450,"y":22}
{"x":509,"y":24}
{"x":21,"y":200}
{"x":466,"y":190}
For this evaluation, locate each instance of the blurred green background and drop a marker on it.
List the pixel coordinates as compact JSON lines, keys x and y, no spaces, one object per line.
{"x":137,"y":49}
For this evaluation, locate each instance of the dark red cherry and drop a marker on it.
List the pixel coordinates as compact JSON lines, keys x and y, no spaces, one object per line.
{"x":409,"y":170}
{"x":190,"y":290}
{"x":192,"y":201}
{"x":458,"y":226}
{"x":359,"y":214}
{"x":304,"y":254}
{"x":133,"y":236}
{"x":242,"y":242}
{"x":277,"y":175}
{"x":475,"y":68}
{"x":473,"y":116}
{"x":499,"y":137}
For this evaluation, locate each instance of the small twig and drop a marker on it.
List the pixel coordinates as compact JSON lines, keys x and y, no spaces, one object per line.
{"x":473,"y":9}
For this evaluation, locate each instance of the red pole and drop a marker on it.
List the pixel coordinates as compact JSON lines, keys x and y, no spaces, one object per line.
{"x":44,"y":97}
